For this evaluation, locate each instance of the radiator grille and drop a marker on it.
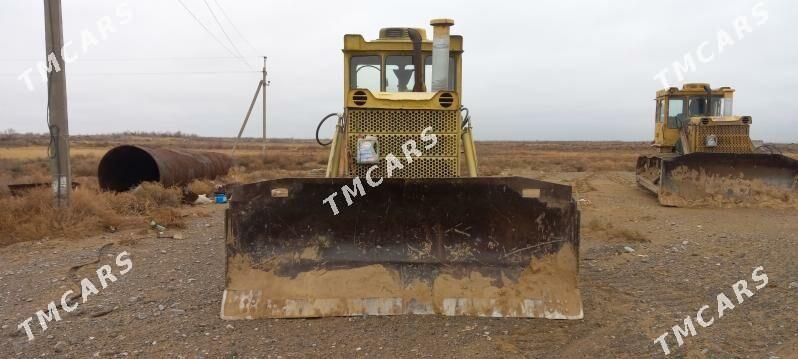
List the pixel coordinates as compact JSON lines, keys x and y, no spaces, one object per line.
{"x":401,"y":121}
{"x":436,"y":167}
{"x":731,"y":138}
{"x":446,"y":146}
{"x":395,"y":127}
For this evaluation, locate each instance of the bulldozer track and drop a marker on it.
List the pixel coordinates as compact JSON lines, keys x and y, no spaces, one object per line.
{"x":584,"y":185}
{"x":617,"y":178}
{"x":72,"y":273}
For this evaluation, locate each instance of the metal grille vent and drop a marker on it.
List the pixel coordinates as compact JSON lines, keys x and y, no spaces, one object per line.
{"x":420,"y":168}
{"x":401,"y":121}
{"x":394,"y":127}
{"x":395,"y":32}
{"x":446,"y":100}
{"x":359,"y":98}
{"x":731,"y":139}
{"x":446,"y":146}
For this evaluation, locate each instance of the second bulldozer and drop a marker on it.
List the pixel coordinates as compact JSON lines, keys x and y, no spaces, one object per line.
{"x":706,"y":157}
{"x":402,"y":224}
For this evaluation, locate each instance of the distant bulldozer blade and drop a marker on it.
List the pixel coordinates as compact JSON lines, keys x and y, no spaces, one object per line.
{"x":726,"y":180}
{"x":496,"y":247}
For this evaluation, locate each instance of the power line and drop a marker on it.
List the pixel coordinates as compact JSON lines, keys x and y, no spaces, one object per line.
{"x":148,"y":73}
{"x":224,"y":13}
{"x":131,"y":59}
{"x":213,"y":14}
{"x":164,"y":73}
{"x":209,"y":31}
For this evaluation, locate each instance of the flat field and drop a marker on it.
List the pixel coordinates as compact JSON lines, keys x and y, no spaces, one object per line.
{"x":168,"y":304}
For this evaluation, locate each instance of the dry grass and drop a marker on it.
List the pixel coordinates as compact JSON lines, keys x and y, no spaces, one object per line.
{"x":23,"y":159}
{"x":201,"y":187}
{"x":281,"y":160}
{"x":152,"y":195}
{"x":496,"y":158}
{"x":40,"y":152}
{"x":37,"y":170}
{"x":33,"y":216}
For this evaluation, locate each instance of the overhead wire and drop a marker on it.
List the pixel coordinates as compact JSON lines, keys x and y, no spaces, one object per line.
{"x":164,"y":73}
{"x":148,"y":73}
{"x":154,"y":58}
{"x":211,"y":33}
{"x":240,"y":34}
{"x":218,"y":23}
{"x":236,"y":53}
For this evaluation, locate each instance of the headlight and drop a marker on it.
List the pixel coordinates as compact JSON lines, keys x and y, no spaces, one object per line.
{"x":712,"y":141}
{"x":368,"y":150}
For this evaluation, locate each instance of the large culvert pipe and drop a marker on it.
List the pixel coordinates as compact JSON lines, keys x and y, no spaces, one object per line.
{"x":126,"y":166}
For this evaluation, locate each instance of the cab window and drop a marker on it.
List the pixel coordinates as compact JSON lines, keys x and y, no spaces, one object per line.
{"x":676,"y":113}
{"x":660,"y":115}
{"x":698,"y":106}
{"x":428,"y":72}
{"x":399,"y":73}
{"x":364,"y":72}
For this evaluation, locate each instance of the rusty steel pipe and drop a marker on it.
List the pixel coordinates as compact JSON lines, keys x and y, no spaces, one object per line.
{"x":126,"y":166}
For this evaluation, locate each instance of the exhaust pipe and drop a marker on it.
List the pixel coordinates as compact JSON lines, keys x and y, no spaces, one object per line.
{"x":418,"y":60}
{"x":125,"y":167}
{"x":440,"y":53}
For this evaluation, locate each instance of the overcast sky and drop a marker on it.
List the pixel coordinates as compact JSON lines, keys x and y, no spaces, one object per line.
{"x":537,"y":70}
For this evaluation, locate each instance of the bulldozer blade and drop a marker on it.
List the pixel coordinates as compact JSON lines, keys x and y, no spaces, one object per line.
{"x":497,"y":247}
{"x":729,"y":180}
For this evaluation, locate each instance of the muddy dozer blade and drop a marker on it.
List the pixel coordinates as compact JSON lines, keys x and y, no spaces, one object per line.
{"x":729,"y":180}
{"x":500,"y":247}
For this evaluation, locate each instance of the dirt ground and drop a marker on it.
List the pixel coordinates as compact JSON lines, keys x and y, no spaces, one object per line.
{"x":168,"y":304}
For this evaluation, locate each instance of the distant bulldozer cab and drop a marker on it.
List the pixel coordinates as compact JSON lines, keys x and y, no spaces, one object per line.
{"x":706,"y":156}
{"x":694,"y":105}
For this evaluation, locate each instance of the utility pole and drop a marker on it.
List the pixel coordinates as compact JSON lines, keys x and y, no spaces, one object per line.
{"x":261,"y":86}
{"x":57,"y":103}
{"x":265,"y":83}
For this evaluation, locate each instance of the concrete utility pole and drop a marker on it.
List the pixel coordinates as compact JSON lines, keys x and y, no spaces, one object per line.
{"x":261,"y":86}
{"x":265,"y":84}
{"x":57,"y":103}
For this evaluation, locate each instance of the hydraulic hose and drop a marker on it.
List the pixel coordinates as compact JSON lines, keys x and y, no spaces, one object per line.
{"x":318,"y":128}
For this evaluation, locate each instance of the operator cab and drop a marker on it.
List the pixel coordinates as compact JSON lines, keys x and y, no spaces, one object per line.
{"x":676,"y":106}
{"x":396,"y":75}
{"x":386,"y":65}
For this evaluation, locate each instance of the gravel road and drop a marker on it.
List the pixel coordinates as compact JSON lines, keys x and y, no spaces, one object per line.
{"x":643,"y":269}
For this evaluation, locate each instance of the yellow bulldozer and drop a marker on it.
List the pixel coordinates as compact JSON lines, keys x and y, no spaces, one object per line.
{"x":402,"y":223}
{"x":706,"y":157}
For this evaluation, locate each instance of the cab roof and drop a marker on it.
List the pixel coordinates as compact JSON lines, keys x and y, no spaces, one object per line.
{"x":694,"y":89}
{"x":396,"y":39}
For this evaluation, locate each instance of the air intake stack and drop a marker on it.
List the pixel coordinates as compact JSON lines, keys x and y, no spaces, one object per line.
{"x":440,"y":53}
